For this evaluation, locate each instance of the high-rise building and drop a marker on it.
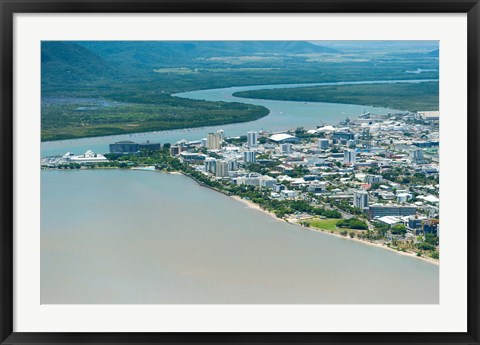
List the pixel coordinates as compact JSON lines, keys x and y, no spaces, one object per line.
{"x":176,"y":149}
{"x":221,"y":134}
{"x":252,"y":139}
{"x":221,"y":168}
{"x":232,"y":165}
{"x":349,"y":157}
{"x":360,"y":199}
{"x":416,"y":155}
{"x":210,"y":164}
{"x":249,"y":157}
{"x":286,"y":148}
{"x":213,"y":141}
{"x":323,"y":144}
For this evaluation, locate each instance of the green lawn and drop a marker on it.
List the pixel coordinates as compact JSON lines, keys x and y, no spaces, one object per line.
{"x":326,"y":224}
{"x":329,"y":225}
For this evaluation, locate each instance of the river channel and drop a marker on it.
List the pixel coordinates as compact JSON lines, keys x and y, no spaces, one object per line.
{"x":283,"y":115}
{"x":116,"y":236}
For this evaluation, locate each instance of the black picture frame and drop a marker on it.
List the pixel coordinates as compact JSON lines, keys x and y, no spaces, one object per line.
{"x":9,"y":8}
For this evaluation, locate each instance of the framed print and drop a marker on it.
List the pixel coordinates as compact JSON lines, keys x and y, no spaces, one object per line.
{"x":251,"y":172}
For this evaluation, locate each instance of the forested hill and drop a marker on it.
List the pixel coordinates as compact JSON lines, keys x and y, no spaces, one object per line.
{"x":74,"y":62}
{"x":155,"y":54}
{"x":69,"y":62}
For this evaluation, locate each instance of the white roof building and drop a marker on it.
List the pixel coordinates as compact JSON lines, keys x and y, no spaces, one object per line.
{"x":429,"y":198}
{"x":390,"y":220}
{"x":283,"y":137}
{"x":87,"y":157}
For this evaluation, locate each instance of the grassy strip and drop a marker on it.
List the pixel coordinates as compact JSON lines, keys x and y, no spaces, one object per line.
{"x":329,"y":224}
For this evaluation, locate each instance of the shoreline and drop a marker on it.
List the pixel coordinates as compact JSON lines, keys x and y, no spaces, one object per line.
{"x":254,"y":206}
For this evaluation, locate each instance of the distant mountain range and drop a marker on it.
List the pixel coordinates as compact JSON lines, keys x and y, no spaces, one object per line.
{"x":77,"y":61}
{"x":67,"y":62}
{"x":161,"y":52}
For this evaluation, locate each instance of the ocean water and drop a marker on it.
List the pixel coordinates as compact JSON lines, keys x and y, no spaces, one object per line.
{"x":143,"y":237}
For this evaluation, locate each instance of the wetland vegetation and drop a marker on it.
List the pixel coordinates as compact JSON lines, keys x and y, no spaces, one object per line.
{"x":137,"y":80}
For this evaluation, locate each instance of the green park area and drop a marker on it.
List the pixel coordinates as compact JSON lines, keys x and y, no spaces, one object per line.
{"x":352,"y":226}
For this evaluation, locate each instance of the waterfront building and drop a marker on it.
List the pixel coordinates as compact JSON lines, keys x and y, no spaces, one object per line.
{"x":67,"y":156}
{"x":221,"y":134}
{"x":323,"y":144}
{"x":267,"y":182}
{"x":390,"y":220}
{"x":213,"y":141}
{"x":431,"y":226}
{"x":203,"y":142}
{"x":360,"y":199}
{"x":210,"y":164}
{"x":416,"y":222}
{"x":286,"y":148}
{"x":349,"y":157}
{"x":391,"y":210}
{"x":148,"y":146}
{"x":182,"y":142}
{"x":288,"y":194}
{"x":124,"y":147}
{"x":221,"y":168}
{"x":176,"y":150}
{"x":250,"y":179}
{"x":192,"y":157}
{"x":252,"y":139}
{"x":87,"y":157}
{"x":249,"y":157}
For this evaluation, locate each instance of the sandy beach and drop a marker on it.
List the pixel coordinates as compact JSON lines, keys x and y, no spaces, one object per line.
{"x":254,"y":206}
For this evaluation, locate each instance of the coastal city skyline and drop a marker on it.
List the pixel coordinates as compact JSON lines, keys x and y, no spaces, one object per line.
{"x":349,"y":160}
